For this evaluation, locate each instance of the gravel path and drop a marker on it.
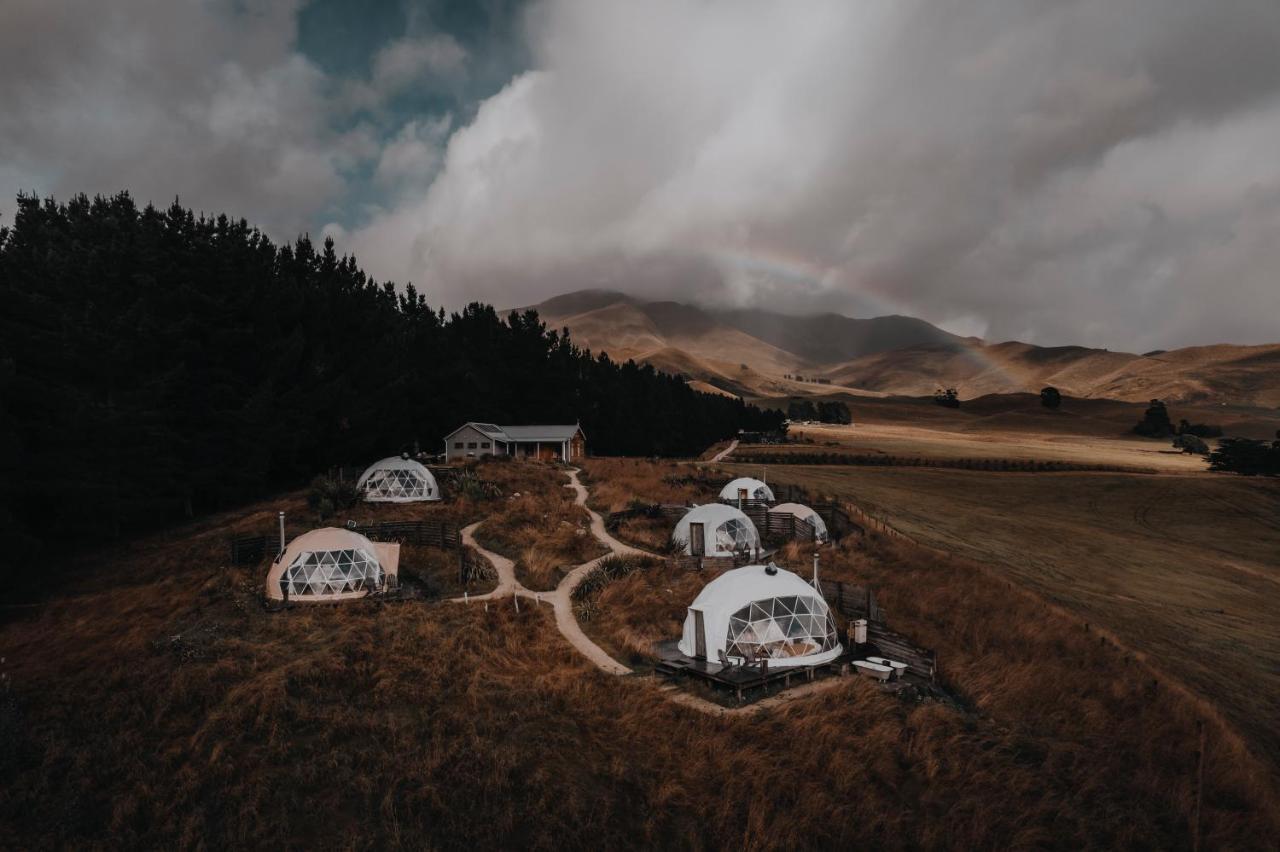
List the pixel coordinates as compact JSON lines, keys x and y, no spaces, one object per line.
{"x":561,"y":600}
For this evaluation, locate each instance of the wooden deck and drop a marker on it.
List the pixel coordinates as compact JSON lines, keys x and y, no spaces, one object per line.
{"x":737,"y":679}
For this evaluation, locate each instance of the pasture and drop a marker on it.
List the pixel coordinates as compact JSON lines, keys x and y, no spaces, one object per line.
{"x":1184,"y":569}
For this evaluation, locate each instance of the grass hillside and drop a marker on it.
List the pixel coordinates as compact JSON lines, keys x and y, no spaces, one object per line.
{"x":1181,"y":568}
{"x":153,"y":703}
{"x":750,"y":352}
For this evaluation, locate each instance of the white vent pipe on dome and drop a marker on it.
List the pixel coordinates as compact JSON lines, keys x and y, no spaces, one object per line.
{"x":281,"y":535}
{"x":815,"y":572}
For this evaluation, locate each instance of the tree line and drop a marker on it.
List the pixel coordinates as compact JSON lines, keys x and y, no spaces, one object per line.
{"x":156,"y":364}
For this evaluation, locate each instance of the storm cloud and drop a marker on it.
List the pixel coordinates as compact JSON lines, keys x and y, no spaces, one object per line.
{"x":1098,"y":171}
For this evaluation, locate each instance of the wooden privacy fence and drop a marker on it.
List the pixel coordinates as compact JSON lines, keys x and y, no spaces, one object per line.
{"x":250,"y":549}
{"x":853,"y":602}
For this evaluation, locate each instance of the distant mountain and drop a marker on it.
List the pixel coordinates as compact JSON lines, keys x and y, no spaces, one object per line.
{"x":752,"y":353}
{"x":830,"y":338}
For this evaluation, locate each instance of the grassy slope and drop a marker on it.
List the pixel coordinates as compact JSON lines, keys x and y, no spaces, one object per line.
{"x":449,"y":726}
{"x":1185,"y":569}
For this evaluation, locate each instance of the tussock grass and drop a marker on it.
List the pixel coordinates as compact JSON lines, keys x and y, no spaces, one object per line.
{"x":449,"y":726}
{"x":542,"y":529}
{"x":615,"y":482}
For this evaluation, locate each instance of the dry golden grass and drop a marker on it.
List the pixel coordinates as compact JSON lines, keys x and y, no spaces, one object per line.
{"x":616,"y":482}
{"x":155,"y":704}
{"x":1183,"y":569}
{"x":541,"y":530}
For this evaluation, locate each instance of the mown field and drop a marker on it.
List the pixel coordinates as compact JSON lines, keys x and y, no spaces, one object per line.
{"x":151,"y":702}
{"x":1185,"y":569}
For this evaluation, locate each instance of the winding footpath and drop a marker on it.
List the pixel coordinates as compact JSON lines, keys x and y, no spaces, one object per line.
{"x":561,"y":600}
{"x":724,"y":454}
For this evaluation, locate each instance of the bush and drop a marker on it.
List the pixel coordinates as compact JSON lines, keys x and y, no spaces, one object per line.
{"x":328,"y":495}
{"x":1050,"y":397}
{"x":1200,"y":430}
{"x":948,"y":398}
{"x":1191,"y":444}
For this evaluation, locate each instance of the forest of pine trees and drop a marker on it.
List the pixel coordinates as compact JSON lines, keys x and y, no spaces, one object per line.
{"x":155,"y":364}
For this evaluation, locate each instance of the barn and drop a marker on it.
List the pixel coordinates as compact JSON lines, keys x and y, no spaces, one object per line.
{"x":548,"y":443}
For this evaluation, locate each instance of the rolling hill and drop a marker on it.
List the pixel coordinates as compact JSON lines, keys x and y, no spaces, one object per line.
{"x":756,"y":354}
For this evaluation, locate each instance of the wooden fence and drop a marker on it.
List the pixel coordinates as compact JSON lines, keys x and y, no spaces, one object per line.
{"x":854,"y":602}
{"x":250,"y":549}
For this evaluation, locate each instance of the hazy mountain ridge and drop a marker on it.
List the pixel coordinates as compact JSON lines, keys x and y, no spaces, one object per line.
{"x":750,"y":351}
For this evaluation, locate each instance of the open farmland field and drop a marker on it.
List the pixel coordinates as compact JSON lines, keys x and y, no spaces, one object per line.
{"x":1016,"y":427}
{"x":919,"y":442}
{"x":1185,"y":569}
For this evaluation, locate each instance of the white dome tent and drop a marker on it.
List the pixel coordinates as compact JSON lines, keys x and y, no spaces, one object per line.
{"x":761,"y":612}
{"x":804,"y":513}
{"x":725,"y":531}
{"x":746,"y":488}
{"x":397,"y":480}
{"x":332,"y":564}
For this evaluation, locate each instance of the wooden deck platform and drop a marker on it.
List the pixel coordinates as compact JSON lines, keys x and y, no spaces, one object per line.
{"x":737,"y":679}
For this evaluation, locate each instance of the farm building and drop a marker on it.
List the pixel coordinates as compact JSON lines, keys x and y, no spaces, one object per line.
{"x":760,"y":612}
{"x":549,"y":443}
{"x":745,"y":488}
{"x":716,"y":530}
{"x":397,"y":480}
{"x":803,"y":513}
{"x":332,"y":564}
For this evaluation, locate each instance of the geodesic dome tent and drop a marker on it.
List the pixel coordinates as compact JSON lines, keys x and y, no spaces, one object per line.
{"x":331,"y":564}
{"x":804,"y":513}
{"x":725,"y":531}
{"x":746,"y":488}
{"x":761,"y":612}
{"x":398,"y":480}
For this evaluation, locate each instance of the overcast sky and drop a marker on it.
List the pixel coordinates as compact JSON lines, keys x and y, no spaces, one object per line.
{"x":1104,"y":172}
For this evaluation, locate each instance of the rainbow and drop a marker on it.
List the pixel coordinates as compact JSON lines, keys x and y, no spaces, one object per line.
{"x":749,"y":270}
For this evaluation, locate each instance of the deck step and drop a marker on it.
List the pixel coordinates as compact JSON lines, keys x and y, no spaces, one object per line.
{"x":670,"y":668}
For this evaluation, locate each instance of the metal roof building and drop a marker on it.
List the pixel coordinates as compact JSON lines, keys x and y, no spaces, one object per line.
{"x":547,"y":442}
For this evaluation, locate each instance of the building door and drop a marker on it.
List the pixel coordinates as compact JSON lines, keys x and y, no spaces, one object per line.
{"x":699,"y":635}
{"x":697,"y":539}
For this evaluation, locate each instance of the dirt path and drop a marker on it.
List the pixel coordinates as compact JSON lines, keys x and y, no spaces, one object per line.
{"x":561,"y":601}
{"x":724,"y":454}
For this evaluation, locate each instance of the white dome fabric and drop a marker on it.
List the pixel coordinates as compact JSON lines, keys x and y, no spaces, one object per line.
{"x":804,"y":513}
{"x":727,"y":530}
{"x":756,"y":490}
{"x":329,"y":564}
{"x":751,"y":614}
{"x":398,"y":480}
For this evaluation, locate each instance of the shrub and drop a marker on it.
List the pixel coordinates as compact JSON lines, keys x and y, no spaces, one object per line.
{"x":1200,"y":430}
{"x":328,"y":495}
{"x":1190,"y":444}
{"x":1050,"y":397}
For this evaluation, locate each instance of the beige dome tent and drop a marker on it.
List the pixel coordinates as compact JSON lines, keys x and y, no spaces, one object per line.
{"x":761,"y":612}
{"x":746,"y":488}
{"x":398,"y":480}
{"x":332,"y":564}
{"x":802,"y":512}
{"x":724,"y":531}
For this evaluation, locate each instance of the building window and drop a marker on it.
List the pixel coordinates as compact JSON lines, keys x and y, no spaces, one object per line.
{"x":457,"y":445}
{"x":484,"y":445}
{"x":471,"y":445}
